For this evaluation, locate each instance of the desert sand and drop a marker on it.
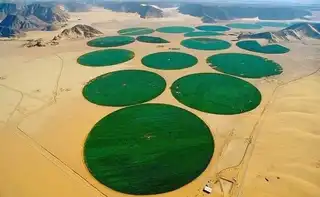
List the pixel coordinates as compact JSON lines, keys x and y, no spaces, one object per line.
{"x":44,"y":119}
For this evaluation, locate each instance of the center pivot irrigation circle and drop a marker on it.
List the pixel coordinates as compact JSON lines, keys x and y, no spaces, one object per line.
{"x":145,"y":149}
{"x":105,"y":57}
{"x":169,"y":60}
{"x":216,"y":93}
{"x":244,"y":65}
{"x":175,"y":29}
{"x":111,"y":41}
{"x":152,"y":39}
{"x":122,"y":88}
{"x":136,"y":31}
{"x":205,"y":44}
{"x":213,"y":28}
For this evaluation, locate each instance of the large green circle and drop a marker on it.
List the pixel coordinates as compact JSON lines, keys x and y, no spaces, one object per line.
{"x":213,"y":28}
{"x":253,"y":45}
{"x":205,"y":44}
{"x":122,"y":88}
{"x":111,"y":41}
{"x":244,"y":26}
{"x":169,"y":60}
{"x":152,"y":39}
{"x":135,"y":31}
{"x":216,"y":93}
{"x":175,"y":29}
{"x":273,"y":24}
{"x":105,"y":57}
{"x":244,"y":65}
{"x":148,"y":149}
{"x":202,"y":34}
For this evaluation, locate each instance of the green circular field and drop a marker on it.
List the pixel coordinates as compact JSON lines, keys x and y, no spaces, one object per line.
{"x":216,"y":93}
{"x":169,"y":60}
{"x":152,"y":39}
{"x":175,"y":29}
{"x":252,"y":45}
{"x":205,"y":44}
{"x":105,"y":57}
{"x":111,"y":41}
{"x":244,"y":65}
{"x":202,"y":33}
{"x":135,"y":31}
{"x":148,"y":149}
{"x":244,"y":26}
{"x":122,"y":88}
{"x":213,"y":28}
{"x":273,"y":24}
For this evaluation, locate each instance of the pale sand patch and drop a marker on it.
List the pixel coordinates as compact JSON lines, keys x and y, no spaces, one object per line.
{"x":9,"y":101}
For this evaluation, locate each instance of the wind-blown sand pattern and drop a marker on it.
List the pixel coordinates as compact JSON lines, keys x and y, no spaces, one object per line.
{"x":269,"y":151}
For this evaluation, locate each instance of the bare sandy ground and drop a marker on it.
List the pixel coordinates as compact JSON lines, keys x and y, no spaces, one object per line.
{"x":44,"y":121}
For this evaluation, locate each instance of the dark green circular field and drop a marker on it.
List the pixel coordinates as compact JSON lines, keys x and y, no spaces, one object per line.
{"x":244,"y":65}
{"x":152,"y":39}
{"x":252,"y":45}
{"x":111,"y":41}
{"x":216,"y":93}
{"x":105,"y":57}
{"x":205,"y":44}
{"x":122,"y":88}
{"x":213,"y":28}
{"x":135,"y":31}
{"x":175,"y":29}
{"x":148,"y":149}
{"x":244,"y":26}
{"x":273,"y":24}
{"x":169,"y":60}
{"x":202,"y":34}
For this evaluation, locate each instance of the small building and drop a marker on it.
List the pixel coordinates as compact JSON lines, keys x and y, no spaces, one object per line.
{"x":207,"y":189}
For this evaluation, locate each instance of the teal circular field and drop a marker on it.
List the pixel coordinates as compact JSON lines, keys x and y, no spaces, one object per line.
{"x":135,"y":31}
{"x":152,"y":39}
{"x":205,"y":44}
{"x":244,"y":65}
{"x":252,"y":45}
{"x":169,"y":60}
{"x":213,"y":28}
{"x":107,"y":57}
{"x":244,"y":26}
{"x":111,"y":41}
{"x":175,"y":29}
{"x":202,"y":34}
{"x":273,"y":24}
{"x":145,"y":149}
{"x":122,"y":88}
{"x":216,"y":93}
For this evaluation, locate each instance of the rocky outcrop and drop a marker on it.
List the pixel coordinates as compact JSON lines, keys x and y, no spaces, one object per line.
{"x":77,"y":32}
{"x":7,"y":8}
{"x":23,"y":23}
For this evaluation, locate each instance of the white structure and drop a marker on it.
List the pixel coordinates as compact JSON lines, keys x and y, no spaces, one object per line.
{"x":207,"y":189}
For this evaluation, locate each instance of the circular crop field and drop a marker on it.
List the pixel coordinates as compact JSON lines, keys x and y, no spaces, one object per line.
{"x":216,"y":93}
{"x":145,"y":149}
{"x":152,"y":39}
{"x":169,"y":60}
{"x":213,"y":28}
{"x":111,"y":41}
{"x":135,"y":31}
{"x":175,"y":29}
{"x":252,"y":45}
{"x":122,"y":88}
{"x":202,"y":34}
{"x":244,"y":65}
{"x":105,"y":57}
{"x":205,"y":44}
{"x":273,"y":24}
{"x":244,"y":26}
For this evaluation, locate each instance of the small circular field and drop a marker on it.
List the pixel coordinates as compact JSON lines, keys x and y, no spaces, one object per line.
{"x":244,"y":65}
{"x":216,"y":93}
{"x":205,"y":44}
{"x":107,"y":57}
{"x":122,"y":88}
{"x":273,"y":24}
{"x":145,"y":149}
{"x":135,"y":31}
{"x":244,"y":26}
{"x":202,"y":34}
{"x":111,"y":41}
{"x":213,"y":28}
{"x":169,"y":60}
{"x":175,"y":29}
{"x":253,"y":45}
{"x":152,"y":40}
